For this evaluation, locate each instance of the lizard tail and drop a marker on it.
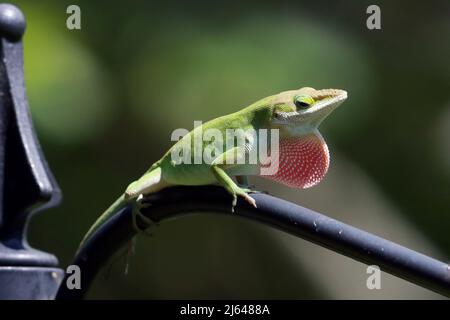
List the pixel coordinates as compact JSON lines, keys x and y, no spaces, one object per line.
{"x":121,"y":202}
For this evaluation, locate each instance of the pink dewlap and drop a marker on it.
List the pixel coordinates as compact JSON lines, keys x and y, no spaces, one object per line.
{"x":303,"y":161}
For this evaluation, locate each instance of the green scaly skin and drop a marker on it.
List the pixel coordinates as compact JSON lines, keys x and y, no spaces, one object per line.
{"x":294,"y":113}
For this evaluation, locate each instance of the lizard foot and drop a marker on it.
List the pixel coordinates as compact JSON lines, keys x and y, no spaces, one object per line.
{"x":249,"y":199}
{"x":137,"y":213}
{"x":243,"y":193}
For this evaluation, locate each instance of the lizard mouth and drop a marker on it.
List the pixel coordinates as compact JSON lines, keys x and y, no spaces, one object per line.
{"x":326,"y":101}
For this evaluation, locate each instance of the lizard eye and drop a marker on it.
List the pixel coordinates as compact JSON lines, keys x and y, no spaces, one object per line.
{"x":303,"y":102}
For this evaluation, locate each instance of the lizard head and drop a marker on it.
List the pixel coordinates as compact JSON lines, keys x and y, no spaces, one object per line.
{"x":306,"y":108}
{"x":303,"y":156}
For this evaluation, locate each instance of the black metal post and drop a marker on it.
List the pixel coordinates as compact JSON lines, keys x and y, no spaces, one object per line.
{"x":26,"y":183}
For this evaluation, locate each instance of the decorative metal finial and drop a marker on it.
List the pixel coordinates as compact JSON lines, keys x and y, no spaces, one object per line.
{"x":12,"y":22}
{"x":26,"y":183}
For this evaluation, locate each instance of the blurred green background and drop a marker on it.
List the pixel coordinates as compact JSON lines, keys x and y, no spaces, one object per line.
{"x":106,"y":98}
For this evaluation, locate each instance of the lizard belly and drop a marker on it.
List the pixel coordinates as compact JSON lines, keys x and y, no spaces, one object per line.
{"x":188,"y":174}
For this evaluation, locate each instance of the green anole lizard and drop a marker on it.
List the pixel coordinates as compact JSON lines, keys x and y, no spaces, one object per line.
{"x":302,"y":162}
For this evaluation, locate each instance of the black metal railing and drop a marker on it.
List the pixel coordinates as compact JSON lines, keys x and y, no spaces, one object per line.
{"x":274,"y":212}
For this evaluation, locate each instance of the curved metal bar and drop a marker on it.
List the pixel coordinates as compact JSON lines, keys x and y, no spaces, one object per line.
{"x":304,"y":223}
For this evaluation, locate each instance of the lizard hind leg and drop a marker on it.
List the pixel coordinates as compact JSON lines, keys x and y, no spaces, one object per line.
{"x":150,"y":182}
{"x":136,"y":212}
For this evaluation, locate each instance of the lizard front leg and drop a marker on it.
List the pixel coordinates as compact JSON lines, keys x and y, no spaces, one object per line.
{"x":218,"y":166}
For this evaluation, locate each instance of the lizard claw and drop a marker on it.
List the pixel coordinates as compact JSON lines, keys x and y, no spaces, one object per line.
{"x":249,"y":199}
{"x":246,"y":197}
